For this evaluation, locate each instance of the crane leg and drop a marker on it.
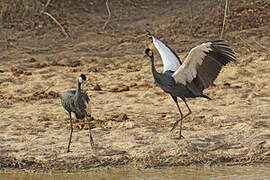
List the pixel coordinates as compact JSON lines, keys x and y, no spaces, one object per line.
{"x":71,"y":131}
{"x":181,"y":115}
{"x":179,"y":120}
{"x":90,"y":133}
{"x":189,"y":110}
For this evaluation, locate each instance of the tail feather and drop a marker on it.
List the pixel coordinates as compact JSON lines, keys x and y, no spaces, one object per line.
{"x":207,"y":97}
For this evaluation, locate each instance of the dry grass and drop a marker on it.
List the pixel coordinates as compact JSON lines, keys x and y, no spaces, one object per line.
{"x":15,"y":10}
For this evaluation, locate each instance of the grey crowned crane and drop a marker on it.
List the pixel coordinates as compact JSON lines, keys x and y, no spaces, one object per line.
{"x":77,"y":102}
{"x":189,"y":78}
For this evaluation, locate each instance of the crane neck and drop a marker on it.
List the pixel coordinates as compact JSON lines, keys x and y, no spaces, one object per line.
{"x":78,"y":87}
{"x":154,"y":71}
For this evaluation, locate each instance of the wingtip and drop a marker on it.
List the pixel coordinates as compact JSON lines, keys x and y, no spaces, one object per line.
{"x":223,"y":47}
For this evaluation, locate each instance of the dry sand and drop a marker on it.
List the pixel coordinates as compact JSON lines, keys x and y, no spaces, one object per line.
{"x":132,"y":115}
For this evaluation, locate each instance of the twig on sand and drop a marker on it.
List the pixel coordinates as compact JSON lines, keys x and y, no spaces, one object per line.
{"x":46,"y":5}
{"x":55,"y":20}
{"x":49,"y":87}
{"x":253,"y":48}
{"x":264,"y":47}
{"x":109,"y":12}
{"x":247,"y":45}
{"x":224,"y":19}
{"x":61,"y":27}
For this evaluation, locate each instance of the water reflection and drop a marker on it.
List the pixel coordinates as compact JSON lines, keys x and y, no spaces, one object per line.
{"x":185,"y":173}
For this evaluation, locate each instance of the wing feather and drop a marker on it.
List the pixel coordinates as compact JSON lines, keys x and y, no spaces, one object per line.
{"x":169,"y":58}
{"x":203,"y":64}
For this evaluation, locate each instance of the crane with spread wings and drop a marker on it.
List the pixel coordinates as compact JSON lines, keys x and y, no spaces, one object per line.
{"x":189,"y":78}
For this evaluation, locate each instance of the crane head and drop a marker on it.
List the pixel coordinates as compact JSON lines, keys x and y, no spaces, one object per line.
{"x":149,"y":52}
{"x":82,"y":78}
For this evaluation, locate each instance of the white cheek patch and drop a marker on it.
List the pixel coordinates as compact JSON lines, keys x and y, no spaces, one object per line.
{"x":80,"y":80}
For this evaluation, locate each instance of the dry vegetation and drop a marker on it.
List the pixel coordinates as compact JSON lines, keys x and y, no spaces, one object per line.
{"x":133,"y":116}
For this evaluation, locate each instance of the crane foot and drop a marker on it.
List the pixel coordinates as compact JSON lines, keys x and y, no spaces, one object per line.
{"x":181,"y":137}
{"x":68,"y":151}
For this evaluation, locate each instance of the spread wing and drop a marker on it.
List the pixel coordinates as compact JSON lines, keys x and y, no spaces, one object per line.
{"x":169,"y":58}
{"x":204,"y":63}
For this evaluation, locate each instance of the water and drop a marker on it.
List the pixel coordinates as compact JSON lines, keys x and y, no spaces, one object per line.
{"x":185,"y":173}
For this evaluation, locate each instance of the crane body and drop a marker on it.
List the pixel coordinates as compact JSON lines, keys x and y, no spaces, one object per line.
{"x":77,"y":102}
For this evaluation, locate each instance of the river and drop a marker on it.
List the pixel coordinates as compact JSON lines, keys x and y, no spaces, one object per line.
{"x":185,"y":173}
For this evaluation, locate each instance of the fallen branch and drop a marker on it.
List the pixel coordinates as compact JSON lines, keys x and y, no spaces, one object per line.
{"x":224,"y":19}
{"x":248,"y":47}
{"x":55,"y":20}
{"x":61,"y":27}
{"x":264,"y":47}
{"x":109,"y":12}
{"x":48,"y":88}
{"x":46,"y":5}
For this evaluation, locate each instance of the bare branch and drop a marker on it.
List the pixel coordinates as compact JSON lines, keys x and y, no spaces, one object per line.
{"x":61,"y":27}
{"x":46,"y":5}
{"x":224,"y":19}
{"x":109,"y":12}
{"x":191,"y":17}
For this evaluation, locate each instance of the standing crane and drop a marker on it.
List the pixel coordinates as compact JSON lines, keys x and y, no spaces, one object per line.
{"x":188,"y":79}
{"x":77,"y":102}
